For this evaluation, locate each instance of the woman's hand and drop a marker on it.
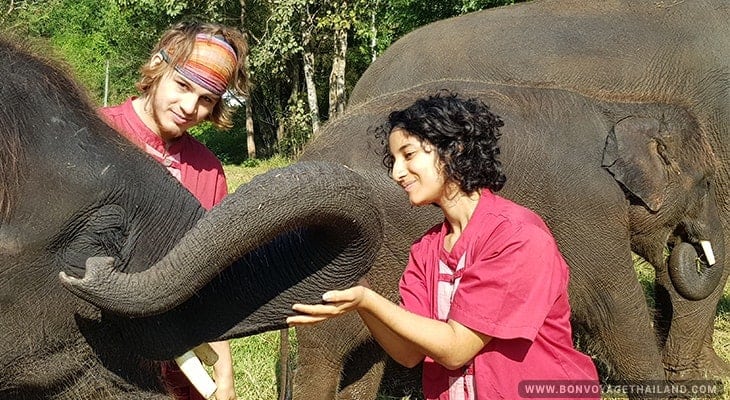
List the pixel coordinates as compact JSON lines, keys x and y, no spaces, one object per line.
{"x":336,"y":303}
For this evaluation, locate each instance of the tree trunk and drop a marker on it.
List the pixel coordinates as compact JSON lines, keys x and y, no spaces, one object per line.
{"x":291,"y":104}
{"x":374,"y":33}
{"x":308,"y":58}
{"x":337,"y":75}
{"x":250,"y":143}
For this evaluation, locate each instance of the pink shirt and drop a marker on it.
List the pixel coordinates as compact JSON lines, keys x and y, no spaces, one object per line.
{"x":511,"y":285}
{"x":188,"y":160}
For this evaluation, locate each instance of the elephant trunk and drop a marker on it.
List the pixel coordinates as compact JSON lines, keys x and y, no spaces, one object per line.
{"x":695,"y":277}
{"x":319,"y":197}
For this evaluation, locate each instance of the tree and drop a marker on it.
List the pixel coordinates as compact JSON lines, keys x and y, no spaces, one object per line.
{"x":307,"y":26}
{"x":305,"y":55}
{"x":250,"y":143}
{"x":339,"y":20}
{"x":86,"y":34}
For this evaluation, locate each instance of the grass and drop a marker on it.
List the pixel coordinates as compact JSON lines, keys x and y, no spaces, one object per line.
{"x":240,"y":174}
{"x":256,"y":358}
{"x":256,"y":363}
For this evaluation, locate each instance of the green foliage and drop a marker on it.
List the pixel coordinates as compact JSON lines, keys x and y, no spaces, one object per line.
{"x":407,"y":15}
{"x":228,"y":146}
{"x":87,"y":34}
{"x":474,"y":5}
{"x":279,"y":38}
{"x":296,"y":128}
{"x":91,"y":34}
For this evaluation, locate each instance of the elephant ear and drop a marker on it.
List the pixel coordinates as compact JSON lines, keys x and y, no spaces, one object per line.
{"x":636,"y":156}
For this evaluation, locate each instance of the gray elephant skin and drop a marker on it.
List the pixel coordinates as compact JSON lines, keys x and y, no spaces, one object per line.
{"x":616,"y":132}
{"x":77,"y":199}
{"x":616,"y":129}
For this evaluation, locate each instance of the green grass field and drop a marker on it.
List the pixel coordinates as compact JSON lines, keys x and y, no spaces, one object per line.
{"x":256,"y":357}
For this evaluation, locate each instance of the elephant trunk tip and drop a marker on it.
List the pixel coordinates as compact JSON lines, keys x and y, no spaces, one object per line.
{"x":106,"y":288}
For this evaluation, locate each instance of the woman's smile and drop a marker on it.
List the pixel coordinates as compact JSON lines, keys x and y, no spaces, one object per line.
{"x":416,"y":168}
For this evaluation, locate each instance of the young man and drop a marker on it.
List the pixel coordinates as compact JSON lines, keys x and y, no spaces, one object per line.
{"x":191,"y":69}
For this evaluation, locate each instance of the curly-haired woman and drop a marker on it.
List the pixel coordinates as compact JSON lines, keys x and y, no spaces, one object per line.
{"x":484,"y":300}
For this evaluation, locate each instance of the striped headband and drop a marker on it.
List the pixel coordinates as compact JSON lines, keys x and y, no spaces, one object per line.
{"x":210,"y":65}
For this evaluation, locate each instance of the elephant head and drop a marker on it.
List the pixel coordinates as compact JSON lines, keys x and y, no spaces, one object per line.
{"x":665,"y":168}
{"x":77,"y":199}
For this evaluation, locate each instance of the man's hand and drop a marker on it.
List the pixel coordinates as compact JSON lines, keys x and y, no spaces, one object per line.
{"x":223,"y":372}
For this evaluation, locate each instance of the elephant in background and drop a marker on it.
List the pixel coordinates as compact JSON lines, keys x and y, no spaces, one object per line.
{"x":616,"y":130}
{"x":76,"y":198}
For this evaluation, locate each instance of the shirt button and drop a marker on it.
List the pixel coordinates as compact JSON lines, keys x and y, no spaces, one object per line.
{"x":167,"y":162}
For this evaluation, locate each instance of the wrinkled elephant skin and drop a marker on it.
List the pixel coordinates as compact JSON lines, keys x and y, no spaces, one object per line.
{"x":80,"y":202}
{"x":615,"y":117}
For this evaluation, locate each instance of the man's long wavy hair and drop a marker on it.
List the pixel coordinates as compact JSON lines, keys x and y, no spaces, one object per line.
{"x":464,"y":133}
{"x":178,"y":42}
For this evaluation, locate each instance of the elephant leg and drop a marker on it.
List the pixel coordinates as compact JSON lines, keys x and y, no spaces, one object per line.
{"x":709,"y":360}
{"x":362,"y":372}
{"x":688,"y":326}
{"x":317,"y":373}
{"x":609,"y":309}
{"x":338,"y":359}
{"x":618,"y":323}
{"x":400,"y":382}
{"x":610,"y":314}
{"x":321,"y":353}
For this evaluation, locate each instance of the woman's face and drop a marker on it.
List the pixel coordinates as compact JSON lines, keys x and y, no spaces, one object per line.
{"x":417,"y":168}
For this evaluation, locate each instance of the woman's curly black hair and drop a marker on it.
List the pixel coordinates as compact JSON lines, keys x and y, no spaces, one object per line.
{"x":464,"y":132}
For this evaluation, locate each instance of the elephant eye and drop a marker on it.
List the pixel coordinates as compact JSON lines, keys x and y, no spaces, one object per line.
{"x":706,"y":183}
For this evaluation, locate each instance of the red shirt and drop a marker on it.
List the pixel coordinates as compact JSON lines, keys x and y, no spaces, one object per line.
{"x":188,"y":160}
{"x":512,"y":286}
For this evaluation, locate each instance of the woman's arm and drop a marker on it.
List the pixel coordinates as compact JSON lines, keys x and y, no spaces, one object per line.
{"x":405,"y":336}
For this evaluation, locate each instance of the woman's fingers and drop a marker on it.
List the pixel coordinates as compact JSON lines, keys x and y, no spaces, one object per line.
{"x":337,"y":302}
{"x":317,"y":309}
{"x":313,"y":313}
{"x":334,"y":296}
{"x":303,"y":320}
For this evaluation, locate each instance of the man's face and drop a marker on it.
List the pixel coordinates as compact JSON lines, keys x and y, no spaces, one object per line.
{"x":179,"y":104}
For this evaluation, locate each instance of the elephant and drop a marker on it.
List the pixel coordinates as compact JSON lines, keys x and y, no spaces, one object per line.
{"x":615,"y":123}
{"x":76,"y":197}
{"x":596,"y":237}
{"x":616,"y":130}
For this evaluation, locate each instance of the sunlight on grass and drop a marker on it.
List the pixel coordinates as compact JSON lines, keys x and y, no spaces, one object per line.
{"x":256,"y":366}
{"x":239,"y":174}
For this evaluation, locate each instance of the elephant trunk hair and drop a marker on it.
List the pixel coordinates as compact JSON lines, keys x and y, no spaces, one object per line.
{"x":324,"y":196}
